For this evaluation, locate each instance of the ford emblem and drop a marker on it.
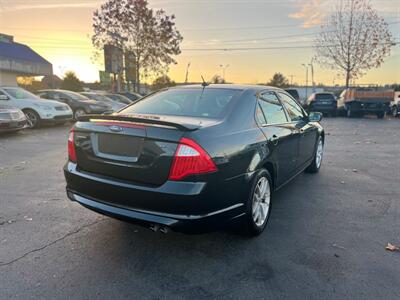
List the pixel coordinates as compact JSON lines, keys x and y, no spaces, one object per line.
{"x":115,"y":128}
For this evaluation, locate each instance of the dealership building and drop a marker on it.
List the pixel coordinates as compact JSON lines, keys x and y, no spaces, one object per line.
{"x":19,"y":60}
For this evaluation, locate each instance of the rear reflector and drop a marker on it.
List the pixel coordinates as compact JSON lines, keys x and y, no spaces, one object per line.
{"x":190,"y":159}
{"x":71,"y":146}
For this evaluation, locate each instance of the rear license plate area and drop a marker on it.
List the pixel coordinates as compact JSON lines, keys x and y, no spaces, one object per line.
{"x":117,"y":147}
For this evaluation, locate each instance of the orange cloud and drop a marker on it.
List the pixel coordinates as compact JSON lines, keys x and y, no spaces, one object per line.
{"x":311,"y":12}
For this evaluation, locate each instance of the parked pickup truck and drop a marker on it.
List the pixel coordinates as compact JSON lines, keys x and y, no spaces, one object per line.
{"x":359,"y":101}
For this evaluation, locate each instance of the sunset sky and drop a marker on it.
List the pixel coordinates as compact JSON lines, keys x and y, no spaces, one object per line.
{"x":60,"y":31}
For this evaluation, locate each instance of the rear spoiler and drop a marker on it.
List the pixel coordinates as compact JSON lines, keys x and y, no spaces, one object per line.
{"x":136,"y":119}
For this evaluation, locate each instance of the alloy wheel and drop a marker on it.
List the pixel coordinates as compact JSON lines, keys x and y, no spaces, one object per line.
{"x":31,"y":118}
{"x":394,"y":111}
{"x":319,"y":154}
{"x":261,"y":201}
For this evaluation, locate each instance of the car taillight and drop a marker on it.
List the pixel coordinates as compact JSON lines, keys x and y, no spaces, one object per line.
{"x":71,"y":146}
{"x":190,"y":159}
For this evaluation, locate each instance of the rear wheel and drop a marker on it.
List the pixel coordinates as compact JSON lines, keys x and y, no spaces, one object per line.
{"x":350,"y":112}
{"x":259,"y":204}
{"x":32,"y":117}
{"x":317,"y":161}
{"x":381,"y":114}
{"x":395,"y":111}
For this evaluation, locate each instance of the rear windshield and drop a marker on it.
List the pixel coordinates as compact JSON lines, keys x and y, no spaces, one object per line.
{"x":293,"y":93}
{"x":324,"y":97}
{"x":205,"y":103}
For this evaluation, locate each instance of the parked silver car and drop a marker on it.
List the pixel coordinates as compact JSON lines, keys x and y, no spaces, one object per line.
{"x":11,"y":119}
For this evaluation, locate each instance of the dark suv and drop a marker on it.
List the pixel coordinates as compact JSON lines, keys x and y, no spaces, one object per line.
{"x":79,"y":104}
{"x":322,"y":102}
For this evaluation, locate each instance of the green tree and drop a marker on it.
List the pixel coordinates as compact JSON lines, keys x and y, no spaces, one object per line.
{"x":162,"y":82}
{"x":151,"y":36}
{"x":71,"y":82}
{"x":278,"y":80}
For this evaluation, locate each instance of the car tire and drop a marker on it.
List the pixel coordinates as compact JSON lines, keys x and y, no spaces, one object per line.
{"x":79,"y":112}
{"x":258,"y":207}
{"x":317,"y":159}
{"x":32,"y":117}
{"x":381,"y":114}
{"x":395,"y":111}
{"x":350,"y":113}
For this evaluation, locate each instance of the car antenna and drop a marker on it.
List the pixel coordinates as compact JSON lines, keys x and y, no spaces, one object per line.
{"x":204,"y":84}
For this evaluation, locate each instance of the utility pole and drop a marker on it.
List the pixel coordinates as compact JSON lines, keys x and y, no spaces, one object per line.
{"x":187,"y":73}
{"x":306,"y":66}
{"x":291,"y":79}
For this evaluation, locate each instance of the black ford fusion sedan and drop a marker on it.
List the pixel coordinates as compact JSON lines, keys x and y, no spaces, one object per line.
{"x":193,"y":158}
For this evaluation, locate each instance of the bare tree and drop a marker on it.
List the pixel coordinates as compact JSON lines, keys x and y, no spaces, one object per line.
{"x":353,"y":39}
{"x":131,"y":25}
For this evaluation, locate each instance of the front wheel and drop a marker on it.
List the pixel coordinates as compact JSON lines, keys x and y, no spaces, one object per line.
{"x":381,"y":114}
{"x":32,"y":118}
{"x":317,"y":160}
{"x":259,"y":204}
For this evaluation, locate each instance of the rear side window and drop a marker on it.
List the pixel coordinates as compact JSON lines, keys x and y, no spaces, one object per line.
{"x":293,"y":93}
{"x":294,"y":110}
{"x":205,"y":103}
{"x":324,"y":97}
{"x":272,"y":109}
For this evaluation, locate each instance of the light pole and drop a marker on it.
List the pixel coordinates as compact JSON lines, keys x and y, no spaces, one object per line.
{"x":223,"y":70}
{"x":312,"y":75}
{"x":305,"y":66}
{"x":187,"y":72}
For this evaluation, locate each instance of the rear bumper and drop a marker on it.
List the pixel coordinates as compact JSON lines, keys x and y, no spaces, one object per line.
{"x":323,"y":108}
{"x":181,"y":223}
{"x":189,"y":207}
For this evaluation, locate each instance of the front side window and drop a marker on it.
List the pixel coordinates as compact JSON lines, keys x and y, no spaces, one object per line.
{"x":272,"y":108}
{"x":294,"y":110}
{"x":20,"y":94}
{"x":188,"y":102}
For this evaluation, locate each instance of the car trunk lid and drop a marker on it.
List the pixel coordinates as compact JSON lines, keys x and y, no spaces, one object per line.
{"x":134,"y":148}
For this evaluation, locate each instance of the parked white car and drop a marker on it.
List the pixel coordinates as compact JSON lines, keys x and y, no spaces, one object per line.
{"x":395,"y":104}
{"x":36,"y":110}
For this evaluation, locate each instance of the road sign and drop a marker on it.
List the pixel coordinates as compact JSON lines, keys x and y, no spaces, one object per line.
{"x":113,"y":59}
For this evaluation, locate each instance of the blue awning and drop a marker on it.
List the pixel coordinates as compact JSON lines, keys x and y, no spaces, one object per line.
{"x":21,"y":59}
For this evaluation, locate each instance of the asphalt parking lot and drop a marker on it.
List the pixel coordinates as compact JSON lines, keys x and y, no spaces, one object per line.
{"x":326,"y":237}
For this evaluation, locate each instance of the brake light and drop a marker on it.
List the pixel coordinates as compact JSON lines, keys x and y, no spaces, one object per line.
{"x":71,"y":146}
{"x":190,"y":159}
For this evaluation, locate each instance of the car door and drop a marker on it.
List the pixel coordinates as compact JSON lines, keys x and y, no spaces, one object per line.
{"x":280,"y":135}
{"x":307,"y":133}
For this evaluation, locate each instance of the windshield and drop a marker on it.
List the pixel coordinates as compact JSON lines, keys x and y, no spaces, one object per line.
{"x":119,"y":98}
{"x":20,"y":94}
{"x":206,"y":103}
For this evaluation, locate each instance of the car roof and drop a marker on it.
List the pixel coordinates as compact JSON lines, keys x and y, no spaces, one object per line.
{"x":243,"y":87}
{"x":57,"y":90}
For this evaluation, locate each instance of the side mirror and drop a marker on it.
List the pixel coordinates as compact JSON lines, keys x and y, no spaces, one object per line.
{"x":4,"y":97}
{"x":315,"y":116}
